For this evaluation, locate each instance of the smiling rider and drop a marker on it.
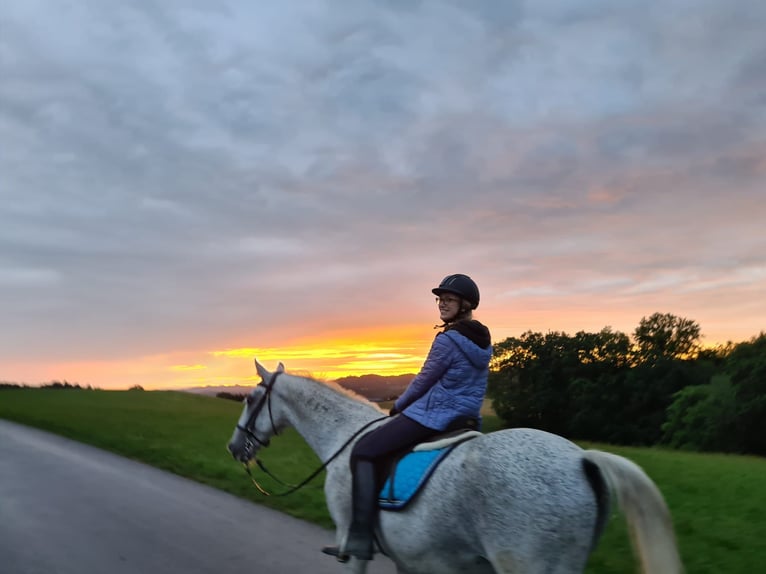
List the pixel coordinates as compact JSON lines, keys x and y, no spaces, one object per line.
{"x":447,"y":393}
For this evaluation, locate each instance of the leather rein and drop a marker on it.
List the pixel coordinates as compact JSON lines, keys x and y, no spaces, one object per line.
{"x":249,"y":429}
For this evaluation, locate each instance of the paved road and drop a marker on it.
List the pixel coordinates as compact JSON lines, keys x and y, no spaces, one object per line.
{"x":68,"y":508}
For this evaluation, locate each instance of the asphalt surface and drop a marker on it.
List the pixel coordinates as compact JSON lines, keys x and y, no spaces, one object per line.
{"x":68,"y":508}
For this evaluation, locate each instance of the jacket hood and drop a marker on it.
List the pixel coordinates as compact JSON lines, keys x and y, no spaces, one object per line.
{"x":473,"y":339}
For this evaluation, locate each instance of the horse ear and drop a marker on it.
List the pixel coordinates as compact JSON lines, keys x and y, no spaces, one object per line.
{"x":262,"y":371}
{"x":280,"y":367}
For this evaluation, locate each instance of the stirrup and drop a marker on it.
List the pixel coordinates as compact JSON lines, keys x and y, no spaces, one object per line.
{"x":335,"y":551}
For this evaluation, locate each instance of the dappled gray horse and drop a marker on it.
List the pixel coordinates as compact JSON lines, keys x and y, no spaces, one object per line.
{"x":518,"y":501}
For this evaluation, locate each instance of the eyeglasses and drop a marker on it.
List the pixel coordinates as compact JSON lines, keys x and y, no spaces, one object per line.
{"x":447,"y":300}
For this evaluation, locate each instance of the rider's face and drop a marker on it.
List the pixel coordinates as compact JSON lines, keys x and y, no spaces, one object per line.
{"x":449,"y":305}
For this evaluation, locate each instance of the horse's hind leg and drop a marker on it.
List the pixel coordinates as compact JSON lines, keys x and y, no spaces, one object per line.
{"x":511,"y":563}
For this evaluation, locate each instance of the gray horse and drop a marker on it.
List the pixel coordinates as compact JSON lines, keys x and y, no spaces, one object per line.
{"x":518,"y":501}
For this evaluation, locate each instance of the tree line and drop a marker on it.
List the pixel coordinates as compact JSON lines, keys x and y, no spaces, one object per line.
{"x":59,"y":385}
{"x":658,"y":387}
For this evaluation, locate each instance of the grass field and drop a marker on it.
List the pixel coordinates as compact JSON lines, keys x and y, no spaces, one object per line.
{"x":717,"y":501}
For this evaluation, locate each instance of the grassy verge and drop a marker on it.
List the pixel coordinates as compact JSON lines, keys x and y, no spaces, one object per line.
{"x":717,"y":501}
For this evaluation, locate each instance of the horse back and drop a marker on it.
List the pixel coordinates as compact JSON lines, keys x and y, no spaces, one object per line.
{"x":504,"y":497}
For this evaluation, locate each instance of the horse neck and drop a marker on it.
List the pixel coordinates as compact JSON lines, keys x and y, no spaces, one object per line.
{"x":323,"y":416}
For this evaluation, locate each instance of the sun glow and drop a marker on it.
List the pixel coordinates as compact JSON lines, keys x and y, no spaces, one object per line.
{"x":387,"y":350}
{"x":184,"y":368}
{"x":390,"y":352}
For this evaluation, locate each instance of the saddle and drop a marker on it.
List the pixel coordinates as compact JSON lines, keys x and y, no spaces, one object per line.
{"x":410,"y":471}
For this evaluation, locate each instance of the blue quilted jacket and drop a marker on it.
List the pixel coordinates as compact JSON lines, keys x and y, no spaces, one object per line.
{"x":451,"y":384}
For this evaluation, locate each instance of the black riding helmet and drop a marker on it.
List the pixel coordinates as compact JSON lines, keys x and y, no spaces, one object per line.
{"x":462,"y":286}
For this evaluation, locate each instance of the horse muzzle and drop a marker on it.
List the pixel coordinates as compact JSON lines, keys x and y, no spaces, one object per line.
{"x":242,"y":451}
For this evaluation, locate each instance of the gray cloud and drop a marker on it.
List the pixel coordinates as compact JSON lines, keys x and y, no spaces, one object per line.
{"x":169,"y":166}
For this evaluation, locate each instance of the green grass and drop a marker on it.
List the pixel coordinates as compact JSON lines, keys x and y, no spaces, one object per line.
{"x":717,"y":501}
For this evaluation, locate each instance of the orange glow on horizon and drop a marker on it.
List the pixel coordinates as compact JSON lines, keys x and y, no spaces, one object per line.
{"x":188,"y":367}
{"x":388,"y":351}
{"x":391,"y":350}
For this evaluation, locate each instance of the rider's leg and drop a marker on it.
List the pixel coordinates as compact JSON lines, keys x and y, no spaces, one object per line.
{"x":361,"y":532}
{"x":394,"y":436}
{"x":364,"y":503}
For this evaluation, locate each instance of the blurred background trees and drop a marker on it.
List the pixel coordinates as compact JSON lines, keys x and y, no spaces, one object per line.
{"x":659,"y":386}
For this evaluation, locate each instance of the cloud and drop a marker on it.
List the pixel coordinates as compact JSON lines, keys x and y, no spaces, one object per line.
{"x":182,"y":175}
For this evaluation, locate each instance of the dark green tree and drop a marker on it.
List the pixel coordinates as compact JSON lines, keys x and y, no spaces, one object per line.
{"x":704,"y":417}
{"x":532,"y":380}
{"x":512,"y":395}
{"x":747,"y":368}
{"x":649,"y":391}
{"x":662,"y":386}
{"x":665,"y":336}
{"x":665,"y":347}
{"x":597,"y":392}
{"x":598,"y":386}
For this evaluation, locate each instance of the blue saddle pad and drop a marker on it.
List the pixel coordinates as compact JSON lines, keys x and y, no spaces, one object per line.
{"x":408,"y":476}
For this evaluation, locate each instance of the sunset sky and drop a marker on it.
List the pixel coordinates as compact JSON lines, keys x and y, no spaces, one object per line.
{"x":187,"y":185}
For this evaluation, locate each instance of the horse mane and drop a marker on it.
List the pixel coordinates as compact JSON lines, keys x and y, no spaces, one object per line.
{"x":335,"y":387}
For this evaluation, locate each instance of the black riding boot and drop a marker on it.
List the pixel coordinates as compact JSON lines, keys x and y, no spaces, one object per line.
{"x":359,"y":542}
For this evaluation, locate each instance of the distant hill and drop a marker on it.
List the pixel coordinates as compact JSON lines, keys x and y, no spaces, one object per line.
{"x":377,"y":387}
{"x":372,"y":387}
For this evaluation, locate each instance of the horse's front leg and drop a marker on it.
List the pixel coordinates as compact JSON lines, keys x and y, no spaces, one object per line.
{"x":356,"y":566}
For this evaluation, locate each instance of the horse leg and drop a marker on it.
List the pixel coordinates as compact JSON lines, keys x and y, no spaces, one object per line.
{"x":555,"y":545}
{"x":509,"y":563}
{"x":356,"y":566}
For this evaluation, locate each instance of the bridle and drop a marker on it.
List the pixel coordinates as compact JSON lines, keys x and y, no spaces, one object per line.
{"x":265,"y":399}
{"x":249,"y":429}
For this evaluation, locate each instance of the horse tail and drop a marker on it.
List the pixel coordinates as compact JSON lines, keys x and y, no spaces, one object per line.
{"x":647,"y":515}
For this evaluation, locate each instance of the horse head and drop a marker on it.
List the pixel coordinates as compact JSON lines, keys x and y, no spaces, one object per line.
{"x":255,"y":428}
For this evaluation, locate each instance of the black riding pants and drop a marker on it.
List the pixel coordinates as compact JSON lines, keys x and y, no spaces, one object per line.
{"x":367,"y":458}
{"x":394,"y":436}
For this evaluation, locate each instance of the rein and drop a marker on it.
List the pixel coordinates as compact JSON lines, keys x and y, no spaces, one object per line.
{"x":266,"y":399}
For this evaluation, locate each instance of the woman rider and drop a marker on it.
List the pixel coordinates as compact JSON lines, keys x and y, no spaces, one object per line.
{"x":450,"y":387}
